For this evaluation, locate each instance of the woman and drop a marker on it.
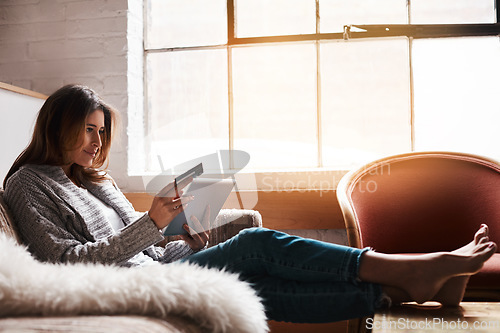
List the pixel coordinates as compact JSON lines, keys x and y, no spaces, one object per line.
{"x":68,"y":210}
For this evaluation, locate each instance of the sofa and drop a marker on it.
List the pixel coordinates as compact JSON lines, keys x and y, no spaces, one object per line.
{"x":220,"y":302}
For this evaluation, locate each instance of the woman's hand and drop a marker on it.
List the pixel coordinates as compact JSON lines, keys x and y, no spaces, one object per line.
{"x":197,"y":237}
{"x":168,"y":203}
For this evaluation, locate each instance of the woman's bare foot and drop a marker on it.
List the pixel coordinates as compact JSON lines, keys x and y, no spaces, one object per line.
{"x":480,"y":236}
{"x":453,"y":291}
{"x":432,"y":271}
{"x":422,"y":276}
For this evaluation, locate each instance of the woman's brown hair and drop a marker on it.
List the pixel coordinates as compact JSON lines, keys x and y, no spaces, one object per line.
{"x":59,"y":126}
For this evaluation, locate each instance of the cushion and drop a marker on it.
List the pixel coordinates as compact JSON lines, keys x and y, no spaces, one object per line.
{"x":99,"y":324}
{"x":487,"y":278}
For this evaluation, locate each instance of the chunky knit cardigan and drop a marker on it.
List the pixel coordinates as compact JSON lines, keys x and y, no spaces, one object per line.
{"x":60,"y":223}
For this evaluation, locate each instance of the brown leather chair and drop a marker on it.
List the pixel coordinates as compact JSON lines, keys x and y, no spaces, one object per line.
{"x":424,"y":202}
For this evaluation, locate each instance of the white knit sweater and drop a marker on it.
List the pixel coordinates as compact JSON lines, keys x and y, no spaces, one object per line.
{"x":60,"y":223}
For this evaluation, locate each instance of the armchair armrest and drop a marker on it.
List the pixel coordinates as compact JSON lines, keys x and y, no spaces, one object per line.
{"x":230,"y":222}
{"x":6,"y":221}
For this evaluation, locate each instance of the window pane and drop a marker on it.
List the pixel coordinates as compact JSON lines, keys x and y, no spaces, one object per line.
{"x":364,"y":100}
{"x":334,"y":14}
{"x":457,"y":104}
{"x":275,"y":105}
{"x":175,"y":23}
{"x":188,"y":105}
{"x":452,"y":11}
{"x":275,"y":17}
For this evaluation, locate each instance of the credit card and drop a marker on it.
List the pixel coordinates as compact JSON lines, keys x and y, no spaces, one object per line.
{"x":193,"y":172}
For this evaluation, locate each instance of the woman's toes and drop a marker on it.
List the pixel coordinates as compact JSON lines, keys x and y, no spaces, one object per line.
{"x":481,"y":233}
{"x":484,"y":239}
{"x":492,"y":246}
{"x":483,"y":253}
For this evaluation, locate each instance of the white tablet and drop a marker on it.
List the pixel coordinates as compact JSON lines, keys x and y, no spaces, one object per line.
{"x":206,"y":191}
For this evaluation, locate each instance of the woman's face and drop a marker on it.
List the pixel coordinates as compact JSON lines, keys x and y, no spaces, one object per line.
{"x":91,"y":141}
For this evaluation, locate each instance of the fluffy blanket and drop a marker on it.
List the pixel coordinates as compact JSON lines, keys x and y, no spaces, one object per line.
{"x":217,"y":300}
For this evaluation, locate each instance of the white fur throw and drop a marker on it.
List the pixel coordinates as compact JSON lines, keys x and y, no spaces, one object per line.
{"x":217,"y":300}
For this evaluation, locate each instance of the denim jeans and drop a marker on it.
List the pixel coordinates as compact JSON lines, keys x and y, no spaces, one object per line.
{"x":300,"y":280}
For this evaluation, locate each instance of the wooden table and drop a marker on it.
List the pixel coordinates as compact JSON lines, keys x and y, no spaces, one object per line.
{"x":431,"y":317}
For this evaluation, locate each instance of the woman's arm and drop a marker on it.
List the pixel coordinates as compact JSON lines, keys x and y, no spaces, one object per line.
{"x":195,"y":240}
{"x":55,"y":232}
{"x":175,"y":250}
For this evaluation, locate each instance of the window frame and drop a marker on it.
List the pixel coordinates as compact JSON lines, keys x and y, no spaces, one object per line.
{"x":411,"y":31}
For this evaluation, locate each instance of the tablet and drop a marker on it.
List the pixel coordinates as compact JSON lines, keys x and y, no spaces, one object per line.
{"x":206,"y":191}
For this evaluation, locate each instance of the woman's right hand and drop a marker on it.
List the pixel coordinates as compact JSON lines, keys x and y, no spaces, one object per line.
{"x":168,"y":203}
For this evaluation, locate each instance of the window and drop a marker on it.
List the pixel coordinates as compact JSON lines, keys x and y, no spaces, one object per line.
{"x":307,"y":84}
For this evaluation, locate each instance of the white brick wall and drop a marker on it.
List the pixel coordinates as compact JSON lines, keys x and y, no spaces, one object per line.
{"x":45,"y":44}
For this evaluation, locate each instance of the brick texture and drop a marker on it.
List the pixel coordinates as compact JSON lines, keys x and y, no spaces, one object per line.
{"x":45,"y":44}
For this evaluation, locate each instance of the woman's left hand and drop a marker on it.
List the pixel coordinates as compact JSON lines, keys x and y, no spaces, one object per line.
{"x":197,"y":237}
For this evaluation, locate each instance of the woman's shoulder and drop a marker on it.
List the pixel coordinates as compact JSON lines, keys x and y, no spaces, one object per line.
{"x":37,"y":169}
{"x":37,"y":182}
{"x":42,"y":168}
{"x":22,"y":175}
{"x":30,"y":174}
{"x":21,"y":184}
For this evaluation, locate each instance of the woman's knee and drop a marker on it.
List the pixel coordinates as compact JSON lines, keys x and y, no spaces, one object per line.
{"x":256,"y":236}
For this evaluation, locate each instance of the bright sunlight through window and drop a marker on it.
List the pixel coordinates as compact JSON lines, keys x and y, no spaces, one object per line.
{"x":298,"y":87}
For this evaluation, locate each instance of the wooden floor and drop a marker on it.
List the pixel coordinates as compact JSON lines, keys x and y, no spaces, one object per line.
{"x":280,"y":327}
{"x":430,"y":317}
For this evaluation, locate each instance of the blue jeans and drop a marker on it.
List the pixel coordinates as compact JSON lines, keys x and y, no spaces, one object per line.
{"x":300,"y":280}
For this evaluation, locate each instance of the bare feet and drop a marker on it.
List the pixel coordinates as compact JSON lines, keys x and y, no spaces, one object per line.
{"x":452,"y":292}
{"x":480,"y":236}
{"x":432,"y":271}
{"x":421,"y":277}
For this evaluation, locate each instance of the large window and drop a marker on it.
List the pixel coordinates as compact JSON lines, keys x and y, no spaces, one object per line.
{"x":306,"y":84}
